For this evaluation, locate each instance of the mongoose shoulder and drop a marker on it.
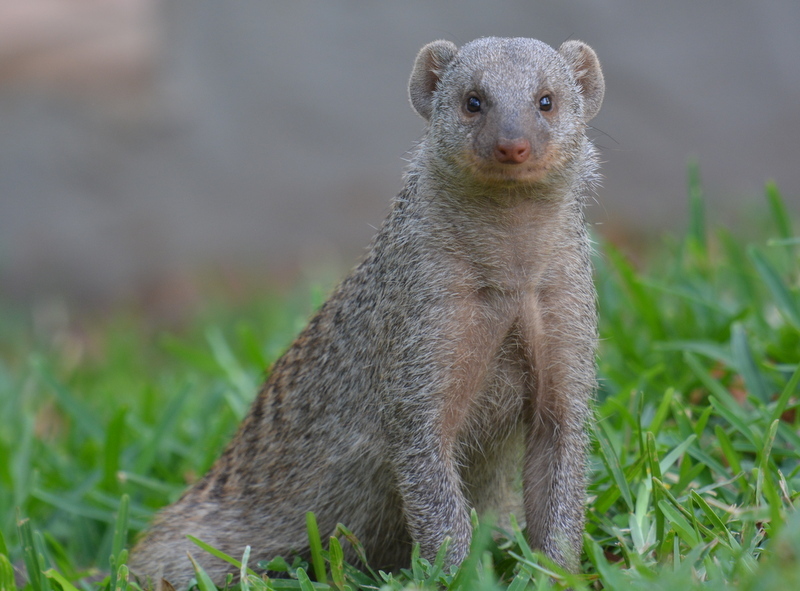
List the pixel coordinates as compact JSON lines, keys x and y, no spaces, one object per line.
{"x":457,"y":354}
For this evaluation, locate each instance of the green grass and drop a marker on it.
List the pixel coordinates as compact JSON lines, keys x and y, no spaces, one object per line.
{"x":695,"y":467}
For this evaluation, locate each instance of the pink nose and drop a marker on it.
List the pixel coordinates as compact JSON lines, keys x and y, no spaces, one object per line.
{"x":512,"y":151}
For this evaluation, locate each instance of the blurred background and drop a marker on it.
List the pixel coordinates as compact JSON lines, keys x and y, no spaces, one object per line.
{"x":145,"y":143}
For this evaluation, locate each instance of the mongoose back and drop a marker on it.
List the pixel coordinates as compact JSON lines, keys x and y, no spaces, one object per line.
{"x":457,"y":354}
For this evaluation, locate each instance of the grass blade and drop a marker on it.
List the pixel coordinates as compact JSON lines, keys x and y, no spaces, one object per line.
{"x":783,"y":222}
{"x":86,"y":421}
{"x":337,"y":563}
{"x":680,"y":524}
{"x":612,"y":464}
{"x":746,"y":364}
{"x":31,"y":557}
{"x":358,"y":547}
{"x":204,"y":582}
{"x":641,"y":302}
{"x":120,"y":539}
{"x":113,"y":450}
{"x":697,"y":213}
{"x":769,"y":441}
{"x":219,"y":554}
{"x":237,"y":376}
{"x":58,"y":577}
{"x":713,"y":517}
{"x":714,"y":387}
{"x":244,"y":585}
{"x":735,"y":420}
{"x":123,"y":577}
{"x":662,"y":412}
{"x":166,"y":425}
{"x":728,"y":452}
{"x":7,"y":582}
{"x":785,"y":301}
{"x":783,"y":399}
{"x":315,"y":543}
{"x":676,"y":453}
{"x":305,"y":582}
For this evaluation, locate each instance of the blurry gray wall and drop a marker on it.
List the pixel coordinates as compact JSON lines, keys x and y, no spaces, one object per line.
{"x":260,"y":135}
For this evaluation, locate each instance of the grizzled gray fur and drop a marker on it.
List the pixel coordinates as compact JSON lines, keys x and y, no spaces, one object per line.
{"x":457,"y":354}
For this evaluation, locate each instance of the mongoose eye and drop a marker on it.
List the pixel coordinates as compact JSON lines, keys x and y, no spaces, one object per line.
{"x":473,"y":104}
{"x":545,"y":103}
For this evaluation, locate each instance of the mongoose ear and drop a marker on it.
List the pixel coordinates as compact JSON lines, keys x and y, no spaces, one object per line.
{"x":428,"y":68}
{"x":583,"y":61}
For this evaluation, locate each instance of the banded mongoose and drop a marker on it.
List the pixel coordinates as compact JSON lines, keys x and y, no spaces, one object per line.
{"x":459,"y":352}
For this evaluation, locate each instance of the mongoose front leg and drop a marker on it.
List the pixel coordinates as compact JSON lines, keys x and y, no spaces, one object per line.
{"x":563,"y":333}
{"x":433,"y":501}
{"x":423,"y":425}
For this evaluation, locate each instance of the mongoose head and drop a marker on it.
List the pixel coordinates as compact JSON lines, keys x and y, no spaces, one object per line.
{"x":507,"y":111}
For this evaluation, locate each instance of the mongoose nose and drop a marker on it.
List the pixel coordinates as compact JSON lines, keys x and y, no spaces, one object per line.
{"x":512,"y":151}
